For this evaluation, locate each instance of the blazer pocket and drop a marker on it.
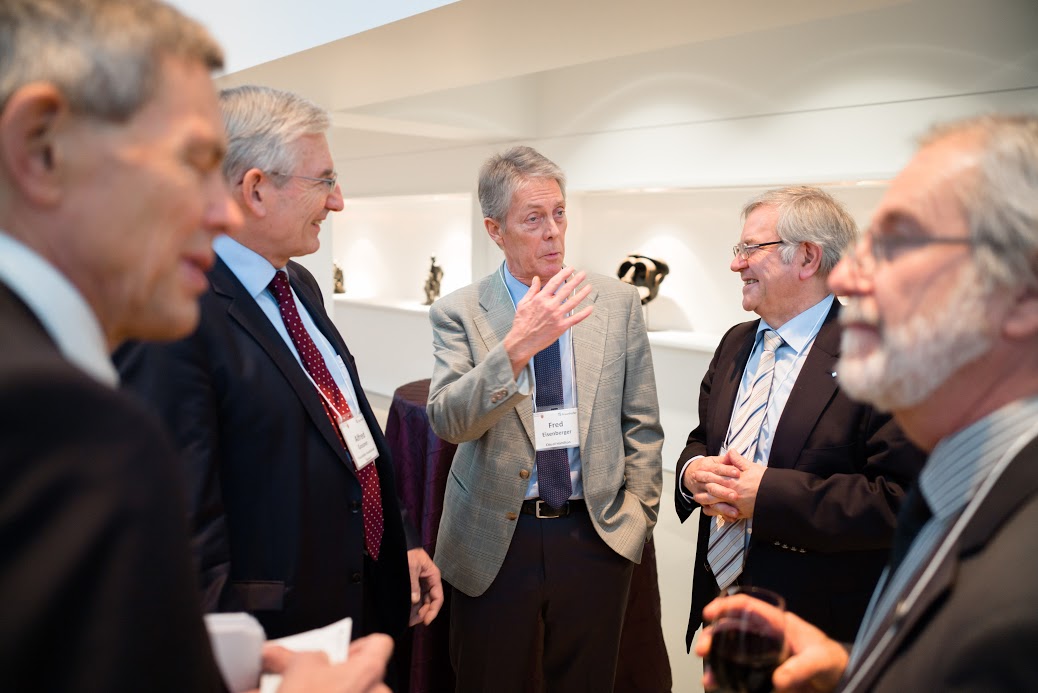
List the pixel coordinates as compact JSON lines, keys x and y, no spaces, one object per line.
{"x":260,"y":595}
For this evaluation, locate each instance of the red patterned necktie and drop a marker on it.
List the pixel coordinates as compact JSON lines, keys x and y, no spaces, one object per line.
{"x":334,"y":401}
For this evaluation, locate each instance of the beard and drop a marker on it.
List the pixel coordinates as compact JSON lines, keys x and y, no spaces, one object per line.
{"x":912,"y":360}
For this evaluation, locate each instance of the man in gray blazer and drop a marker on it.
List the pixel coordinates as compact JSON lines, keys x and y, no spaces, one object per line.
{"x":941,"y":329}
{"x":544,"y":378}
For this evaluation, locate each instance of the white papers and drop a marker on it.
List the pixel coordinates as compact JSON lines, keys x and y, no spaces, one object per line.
{"x":333,"y":640}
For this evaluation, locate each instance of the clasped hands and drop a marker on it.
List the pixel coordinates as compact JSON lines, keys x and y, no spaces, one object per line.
{"x":724,"y":485}
{"x":543,"y":315}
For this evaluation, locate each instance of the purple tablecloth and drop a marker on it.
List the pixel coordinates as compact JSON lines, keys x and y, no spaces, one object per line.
{"x":422,"y":462}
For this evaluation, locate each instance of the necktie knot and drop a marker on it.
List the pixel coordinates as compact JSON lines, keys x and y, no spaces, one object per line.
{"x":280,"y":287}
{"x":772,"y":341}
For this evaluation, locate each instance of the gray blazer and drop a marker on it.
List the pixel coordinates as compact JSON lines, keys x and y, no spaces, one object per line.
{"x":474,"y":401}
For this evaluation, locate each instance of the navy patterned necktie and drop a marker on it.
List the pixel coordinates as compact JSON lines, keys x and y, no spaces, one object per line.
{"x":333,"y":401}
{"x":552,"y":465}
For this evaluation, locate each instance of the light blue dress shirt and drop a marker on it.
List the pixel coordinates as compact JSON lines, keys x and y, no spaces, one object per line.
{"x":798,"y":336}
{"x":59,"y":307}
{"x":255,"y":274}
{"x":516,"y":289}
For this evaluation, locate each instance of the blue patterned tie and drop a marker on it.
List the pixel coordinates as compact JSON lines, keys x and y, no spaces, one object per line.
{"x":552,"y":465}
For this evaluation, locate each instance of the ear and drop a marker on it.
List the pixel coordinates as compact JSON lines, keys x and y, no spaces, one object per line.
{"x":29,"y":137}
{"x":1021,"y":321}
{"x":494,"y":229}
{"x":808,"y":259}
{"x":254,"y":187}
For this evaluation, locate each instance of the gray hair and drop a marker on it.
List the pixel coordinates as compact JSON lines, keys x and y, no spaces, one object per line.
{"x":808,"y":214}
{"x":1000,"y":196}
{"x":103,"y":55}
{"x":261,"y":123}
{"x":502,"y":174}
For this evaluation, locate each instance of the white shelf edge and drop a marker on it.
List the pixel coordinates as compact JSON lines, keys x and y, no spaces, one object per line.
{"x":685,"y":340}
{"x":388,"y":303}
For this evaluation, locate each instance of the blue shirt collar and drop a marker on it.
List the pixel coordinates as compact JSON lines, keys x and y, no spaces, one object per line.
{"x":799,"y":332}
{"x":251,"y":268}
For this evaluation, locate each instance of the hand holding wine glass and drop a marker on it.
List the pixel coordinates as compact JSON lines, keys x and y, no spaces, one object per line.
{"x":746,"y":641}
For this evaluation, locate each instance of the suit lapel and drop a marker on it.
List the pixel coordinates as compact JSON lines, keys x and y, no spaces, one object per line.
{"x":814,"y":389}
{"x":726,"y":389}
{"x":1017,"y":485}
{"x":493,"y":324}
{"x":243,"y":309}
{"x":588,"y":337}
{"x":315,"y":306}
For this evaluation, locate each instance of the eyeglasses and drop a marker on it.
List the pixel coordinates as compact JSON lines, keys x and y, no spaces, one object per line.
{"x":330,"y":182}
{"x":744,"y":250}
{"x":879,"y":249}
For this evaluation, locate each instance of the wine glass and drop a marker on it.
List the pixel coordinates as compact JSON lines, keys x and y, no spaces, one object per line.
{"x":748,"y":642}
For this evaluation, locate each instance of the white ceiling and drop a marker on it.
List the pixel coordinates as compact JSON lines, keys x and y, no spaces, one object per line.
{"x":471,"y":71}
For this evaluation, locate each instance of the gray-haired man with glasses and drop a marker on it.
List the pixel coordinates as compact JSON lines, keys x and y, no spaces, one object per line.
{"x":294,"y":511}
{"x":941,"y":328}
{"x":798,"y":486}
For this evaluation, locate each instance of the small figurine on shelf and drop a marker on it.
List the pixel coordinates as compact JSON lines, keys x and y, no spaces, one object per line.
{"x":432,"y":282}
{"x":337,"y":272}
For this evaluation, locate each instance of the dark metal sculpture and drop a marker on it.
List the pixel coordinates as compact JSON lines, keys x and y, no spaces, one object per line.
{"x":644,"y":273}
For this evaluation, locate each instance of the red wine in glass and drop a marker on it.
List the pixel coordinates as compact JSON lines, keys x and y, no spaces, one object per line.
{"x":742,"y":659}
{"x":747,"y":645}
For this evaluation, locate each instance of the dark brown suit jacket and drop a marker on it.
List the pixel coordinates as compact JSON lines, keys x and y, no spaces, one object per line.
{"x":96,"y":587}
{"x":828,"y":502}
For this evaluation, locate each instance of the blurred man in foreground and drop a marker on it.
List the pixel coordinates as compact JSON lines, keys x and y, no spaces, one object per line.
{"x":110,"y":194}
{"x":942,"y":330}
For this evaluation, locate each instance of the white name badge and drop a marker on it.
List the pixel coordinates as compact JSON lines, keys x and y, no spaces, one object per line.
{"x":358,"y":439}
{"x":556,"y":428}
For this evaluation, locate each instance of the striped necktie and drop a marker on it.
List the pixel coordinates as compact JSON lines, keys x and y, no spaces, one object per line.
{"x":727,"y":549}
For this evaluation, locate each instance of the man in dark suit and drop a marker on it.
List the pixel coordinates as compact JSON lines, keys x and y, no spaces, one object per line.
{"x":809,"y":509}
{"x":291,"y":523}
{"x":110,"y":194}
{"x":942,"y":329}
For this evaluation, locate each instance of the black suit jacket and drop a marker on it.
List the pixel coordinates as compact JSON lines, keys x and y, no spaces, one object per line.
{"x":274,"y":498}
{"x":975,"y":625}
{"x":827,"y":504}
{"x":96,"y":587}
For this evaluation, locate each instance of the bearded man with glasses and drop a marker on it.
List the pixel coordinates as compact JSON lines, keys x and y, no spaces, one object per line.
{"x":798,"y":486}
{"x":293,"y":521}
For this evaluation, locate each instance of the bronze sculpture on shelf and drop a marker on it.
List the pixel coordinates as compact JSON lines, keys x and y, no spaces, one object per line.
{"x":432,"y":282}
{"x":643,"y":273}
{"x":340,"y":288}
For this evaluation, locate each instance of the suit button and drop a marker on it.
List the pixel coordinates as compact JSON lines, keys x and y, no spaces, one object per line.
{"x":524,"y":474}
{"x":354,"y":506}
{"x":510,"y":516}
{"x":355,"y":578}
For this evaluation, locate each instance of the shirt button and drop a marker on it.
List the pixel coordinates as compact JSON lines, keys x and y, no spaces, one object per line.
{"x":524,"y":474}
{"x":355,"y":578}
{"x":354,"y":506}
{"x":510,"y":516}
